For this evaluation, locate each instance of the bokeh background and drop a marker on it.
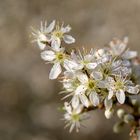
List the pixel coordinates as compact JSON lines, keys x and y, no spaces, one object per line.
{"x":28,"y":100}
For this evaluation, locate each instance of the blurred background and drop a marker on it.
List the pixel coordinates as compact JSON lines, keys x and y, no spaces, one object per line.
{"x":29,"y":101}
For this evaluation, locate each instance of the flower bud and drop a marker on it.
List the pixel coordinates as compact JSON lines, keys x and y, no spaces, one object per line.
{"x":128,"y":118}
{"x":109,"y":113}
{"x":120,"y":113}
{"x":117,"y":128}
{"x":134,"y":102}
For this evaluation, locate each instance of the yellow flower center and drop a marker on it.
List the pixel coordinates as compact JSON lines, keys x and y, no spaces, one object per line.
{"x":58,"y":33}
{"x":75,"y":117}
{"x":91,"y":84}
{"x":85,"y":62}
{"x":119,"y":85}
{"x":60,"y":56}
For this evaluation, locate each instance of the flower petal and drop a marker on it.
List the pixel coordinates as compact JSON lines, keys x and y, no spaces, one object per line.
{"x":102,"y":84}
{"x":55,"y":71}
{"x":97,"y":75}
{"x":84,"y":100}
{"x":41,"y":45}
{"x":120,"y":96}
{"x":69,"y":39}
{"x":80,"y":89}
{"x":129,"y":54}
{"x":50,"y":27}
{"x":48,"y":55}
{"x":132,"y":90}
{"x":72,"y":127}
{"x":75,"y":101}
{"x":70,"y":65}
{"x":66,"y":29}
{"x":82,"y":78}
{"x":41,"y":41}
{"x":108,"y":103}
{"x":68,"y":107}
{"x":94,"y":98}
{"x":79,"y":109}
{"x":110,"y":95}
{"x":91,"y":65}
{"x":55,"y":44}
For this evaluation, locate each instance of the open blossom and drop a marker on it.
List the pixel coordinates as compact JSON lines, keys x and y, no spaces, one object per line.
{"x":119,"y":87}
{"x":42,"y":36}
{"x":113,"y":67}
{"x":88,"y":87}
{"x":60,"y":33}
{"x":56,"y":56}
{"x":102,"y":55}
{"x":52,"y":35}
{"x":84,"y":60}
{"x":73,"y":116}
{"x":119,"y":48}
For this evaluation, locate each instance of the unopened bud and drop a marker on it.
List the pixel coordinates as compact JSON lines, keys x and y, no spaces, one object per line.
{"x":109,"y":113}
{"x":120,"y":113}
{"x":118,"y":127}
{"x":128,"y":118}
{"x":135,"y":102}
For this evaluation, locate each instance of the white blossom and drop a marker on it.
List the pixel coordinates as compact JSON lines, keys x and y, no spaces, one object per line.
{"x":42,"y":36}
{"x":58,"y":58}
{"x":88,"y":87}
{"x":60,"y":33}
{"x":73,"y":116}
{"x":119,"y":48}
{"x":119,"y":87}
{"x":84,"y":60}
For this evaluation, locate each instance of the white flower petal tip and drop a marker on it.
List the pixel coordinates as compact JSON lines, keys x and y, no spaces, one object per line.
{"x":110,"y":95}
{"x":55,"y":44}
{"x":55,"y":71}
{"x":80,"y":90}
{"x":91,"y":65}
{"x":75,"y":101}
{"x":94,"y":98}
{"x":97,"y":75}
{"x":84,"y":100}
{"x":66,"y":29}
{"x":133,"y":90}
{"x":108,"y":104}
{"x":48,"y":55}
{"x":120,"y":96}
{"x":50,"y":27}
{"x":82,"y":78}
{"x":69,"y":39}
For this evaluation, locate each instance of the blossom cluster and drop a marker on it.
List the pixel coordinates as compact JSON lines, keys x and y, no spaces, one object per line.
{"x":98,"y":78}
